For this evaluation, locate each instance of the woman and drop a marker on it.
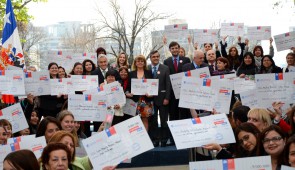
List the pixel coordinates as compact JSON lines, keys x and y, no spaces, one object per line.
{"x":290,"y":59}
{"x":121,"y":61}
{"x":21,"y":160}
{"x":33,"y":123}
{"x":48,"y":127}
{"x":117,"y":109}
{"x":247,"y":145}
{"x":124,"y":75}
{"x":67,"y":122}
{"x":273,"y":141}
{"x":232,"y":56}
{"x":62,"y":72}
{"x":51,"y":105}
{"x":7,"y":126}
{"x":289,"y":152}
{"x":56,"y":156}
{"x":88,"y":67}
{"x":77,"y":69}
{"x":68,"y":139}
{"x":3,"y":133}
{"x":145,"y":108}
{"x":223,"y":67}
{"x":78,"y":130}
{"x":260,"y":118}
{"x":268,"y":66}
{"x":248,"y":66}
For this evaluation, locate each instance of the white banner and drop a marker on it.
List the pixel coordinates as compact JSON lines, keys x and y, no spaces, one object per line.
{"x":285,"y":41}
{"x":259,"y":33}
{"x":232,"y":29}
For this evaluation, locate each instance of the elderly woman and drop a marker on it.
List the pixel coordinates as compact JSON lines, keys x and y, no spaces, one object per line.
{"x":260,"y":118}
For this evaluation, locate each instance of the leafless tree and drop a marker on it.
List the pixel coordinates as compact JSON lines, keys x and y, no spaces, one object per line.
{"x":80,"y":38}
{"x":124,"y":32}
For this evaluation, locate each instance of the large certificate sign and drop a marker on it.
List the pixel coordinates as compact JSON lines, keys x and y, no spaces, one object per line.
{"x":88,"y":107}
{"x":195,"y":132}
{"x":36,"y":145}
{"x":118,"y":143}
{"x":272,"y":88}
{"x":196,"y":93}
{"x":252,"y":163}
{"x":206,"y":35}
{"x":145,"y":86}
{"x":176,"y":79}
{"x":259,"y":33}
{"x":12,"y":82}
{"x":285,"y":41}
{"x":15,"y":115}
{"x":83,"y":82}
{"x":249,"y":98}
{"x":37,"y":83}
{"x":232,"y":29}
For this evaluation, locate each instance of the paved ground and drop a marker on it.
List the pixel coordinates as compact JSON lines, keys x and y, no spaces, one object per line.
{"x":180,"y":167}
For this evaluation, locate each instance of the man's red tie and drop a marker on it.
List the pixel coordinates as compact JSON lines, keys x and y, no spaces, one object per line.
{"x":175,"y":64}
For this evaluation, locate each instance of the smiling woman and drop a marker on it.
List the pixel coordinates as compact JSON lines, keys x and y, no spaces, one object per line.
{"x":67,"y":122}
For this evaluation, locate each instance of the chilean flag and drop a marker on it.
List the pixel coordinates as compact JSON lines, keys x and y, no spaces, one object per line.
{"x":188,"y":74}
{"x":88,"y":97}
{"x":84,"y":54}
{"x":59,"y":53}
{"x":232,"y":24}
{"x":28,"y":74}
{"x":228,"y":164}
{"x":144,"y":80}
{"x":14,"y":146}
{"x":259,"y":28}
{"x":196,"y":121}
{"x":207,"y":82}
{"x":2,"y":72}
{"x":279,"y":76}
{"x":205,"y":31}
{"x":60,"y":80}
{"x":11,"y":53}
{"x":111,"y":131}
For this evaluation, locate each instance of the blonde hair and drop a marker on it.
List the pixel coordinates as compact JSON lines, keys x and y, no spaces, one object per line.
{"x":262,"y":114}
{"x":138,"y":58}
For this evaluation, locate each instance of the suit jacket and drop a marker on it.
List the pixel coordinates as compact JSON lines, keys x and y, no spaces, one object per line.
{"x":164,"y":84}
{"x":191,"y":66}
{"x":100,"y":75}
{"x":182,"y":61}
{"x":132,"y":75}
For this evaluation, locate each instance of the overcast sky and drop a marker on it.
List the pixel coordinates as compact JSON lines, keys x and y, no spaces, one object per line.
{"x":198,"y":14}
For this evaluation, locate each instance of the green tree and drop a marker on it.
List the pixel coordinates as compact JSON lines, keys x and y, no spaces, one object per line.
{"x":20,"y":11}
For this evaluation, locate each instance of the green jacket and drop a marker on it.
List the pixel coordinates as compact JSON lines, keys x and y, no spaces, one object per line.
{"x":81,"y":163}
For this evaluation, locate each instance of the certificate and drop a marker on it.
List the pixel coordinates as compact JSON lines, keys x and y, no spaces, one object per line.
{"x":232,"y":29}
{"x":285,"y":41}
{"x":80,"y":57}
{"x":251,"y":163}
{"x":195,"y":94}
{"x":115,"y":94}
{"x":196,"y":132}
{"x":59,"y":86}
{"x":145,"y":86}
{"x":83,"y":82}
{"x":37,"y":83}
{"x":176,"y":79}
{"x":15,"y":115}
{"x":259,"y":33}
{"x":88,"y":107}
{"x":272,"y":88}
{"x":290,"y":81}
{"x":118,"y":143}
{"x":12,"y":82}
{"x":225,"y":76}
{"x":206,"y":35}
{"x":130,"y":107}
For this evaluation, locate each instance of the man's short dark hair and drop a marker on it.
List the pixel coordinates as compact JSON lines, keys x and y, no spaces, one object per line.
{"x":153,"y":52}
{"x":173,"y":43}
{"x":240,"y":113}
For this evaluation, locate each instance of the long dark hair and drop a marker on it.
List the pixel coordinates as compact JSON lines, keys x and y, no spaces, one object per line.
{"x":75,"y":65}
{"x":43,"y":125}
{"x":243,"y":65}
{"x":84,"y":66}
{"x":258,"y":47}
{"x":286,"y":152}
{"x":50,"y":65}
{"x":262,"y":68}
{"x":22,"y":159}
{"x":250,"y":128}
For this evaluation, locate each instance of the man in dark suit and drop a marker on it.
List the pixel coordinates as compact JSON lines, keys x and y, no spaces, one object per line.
{"x":161,"y":101}
{"x":211,"y":58}
{"x":175,"y":63}
{"x":198,"y":61}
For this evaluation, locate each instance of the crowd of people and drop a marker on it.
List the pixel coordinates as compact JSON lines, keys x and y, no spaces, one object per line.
{"x":258,"y":131}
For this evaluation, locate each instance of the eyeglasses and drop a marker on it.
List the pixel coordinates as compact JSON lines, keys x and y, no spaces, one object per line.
{"x":244,"y":138}
{"x":274,"y":139}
